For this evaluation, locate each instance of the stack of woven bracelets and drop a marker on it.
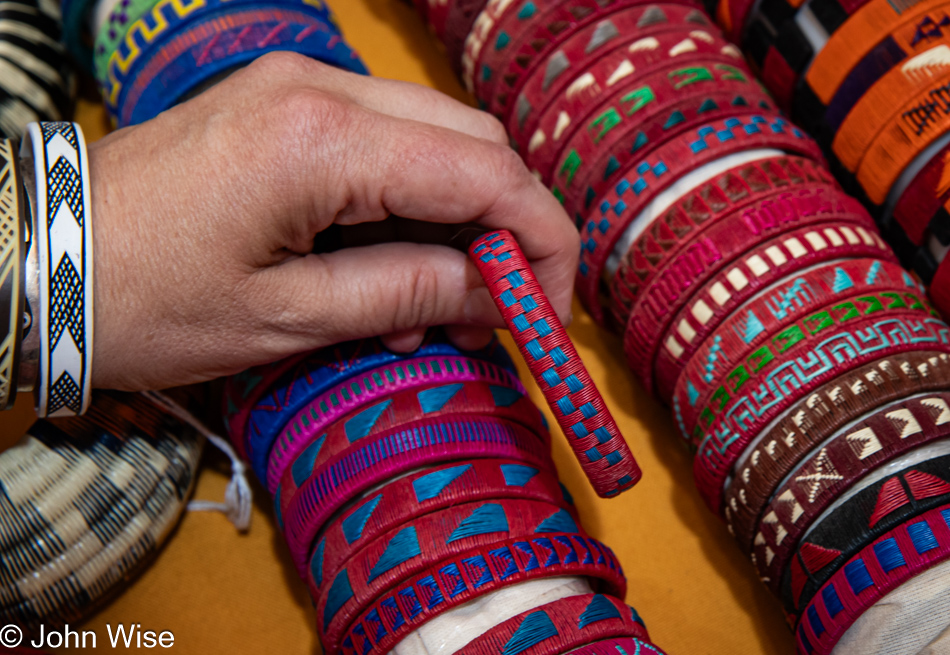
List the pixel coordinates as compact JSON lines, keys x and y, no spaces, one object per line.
{"x":806,"y":370}
{"x":36,"y":82}
{"x":869,"y":80}
{"x":421,"y":505}
{"x":151,"y":54}
{"x":46,"y":266}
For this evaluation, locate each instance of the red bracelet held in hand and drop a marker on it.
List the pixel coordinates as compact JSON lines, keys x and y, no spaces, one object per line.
{"x":567,"y":386}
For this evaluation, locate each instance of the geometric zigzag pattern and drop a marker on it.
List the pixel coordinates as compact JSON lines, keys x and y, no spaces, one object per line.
{"x":65,"y":269}
{"x":10,"y":263}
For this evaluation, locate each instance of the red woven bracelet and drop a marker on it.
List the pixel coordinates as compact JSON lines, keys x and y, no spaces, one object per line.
{"x":785,"y":342}
{"x":799,"y":294}
{"x":567,"y":386}
{"x":923,"y":197}
{"x":761,"y":401}
{"x":507,"y":34}
{"x":657,"y":244}
{"x":643,"y":181}
{"x":645,"y":119}
{"x":354,"y":393}
{"x":605,"y":42}
{"x":326,"y":440}
{"x":485,"y":31}
{"x":425,"y":542}
{"x":728,"y":238}
{"x":839,"y":462}
{"x":697,"y":88}
{"x":907,"y":487}
{"x":560,"y":627}
{"x":697,"y":84}
{"x":428,"y":491}
{"x":783,"y":257}
{"x":884,"y":565}
{"x":475,"y":574}
{"x":768,"y":313}
{"x":546,"y":34}
{"x":651,"y":325}
{"x":369,"y":464}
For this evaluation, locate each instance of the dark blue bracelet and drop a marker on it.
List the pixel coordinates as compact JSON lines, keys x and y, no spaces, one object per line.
{"x":181,"y":44}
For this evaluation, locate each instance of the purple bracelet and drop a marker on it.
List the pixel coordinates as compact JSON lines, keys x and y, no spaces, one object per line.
{"x":334,"y":404}
{"x":372,"y":462}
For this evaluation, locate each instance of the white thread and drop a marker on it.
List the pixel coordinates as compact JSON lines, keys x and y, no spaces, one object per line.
{"x":238,"y":496}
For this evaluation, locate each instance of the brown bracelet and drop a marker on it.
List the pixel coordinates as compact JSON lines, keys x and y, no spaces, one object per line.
{"x":838,"y":463}
{"x":778,"y":451}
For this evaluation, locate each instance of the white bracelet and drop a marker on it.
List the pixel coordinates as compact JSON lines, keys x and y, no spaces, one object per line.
{"x":64,"y":240}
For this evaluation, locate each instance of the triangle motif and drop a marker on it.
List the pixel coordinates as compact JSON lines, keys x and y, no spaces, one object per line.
{"x":354,"y":524}
{"x":303,"y":465}
{"x":815,"y":557}
{"x":925,"y":485}
{"x":652,"y":16}
{"x":435,"y":398}
{"x":674,"y":119}
{"x":557,"y":64}
{"x":535,"y":628}
{"x":504,"y":396}
{"x":403,"y":547}
{"x":486,"y":519}
{"x":890,"y":498}
{"x":517,"y":475}
{"x":560,"y":521}
{"x":599,"y":609}
{"x":431,"y":485}
{"x":360,"y":425}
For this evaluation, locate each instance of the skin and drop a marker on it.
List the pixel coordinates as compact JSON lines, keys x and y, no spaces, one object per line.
{"x":206,"y":218}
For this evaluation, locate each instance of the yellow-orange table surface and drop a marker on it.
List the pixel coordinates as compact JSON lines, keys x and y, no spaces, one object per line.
{"x":224,"y":593}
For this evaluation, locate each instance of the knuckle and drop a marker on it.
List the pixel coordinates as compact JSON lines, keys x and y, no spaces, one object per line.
{"x":277,"y":65}
{"x":416,"y":306}
{"x":493,"y":129}
{"x":509,"y":167}
{"x":300,"y":115}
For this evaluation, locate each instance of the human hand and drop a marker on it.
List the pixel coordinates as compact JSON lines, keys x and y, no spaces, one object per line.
{"x":206,"y":217}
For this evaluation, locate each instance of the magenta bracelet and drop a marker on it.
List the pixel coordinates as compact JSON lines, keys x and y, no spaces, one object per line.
{"x":373,"y":462}
{"x":336,"y":403}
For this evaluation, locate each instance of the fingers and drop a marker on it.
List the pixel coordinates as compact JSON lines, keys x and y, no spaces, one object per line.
{"x":406,"y":341}
{"x":431,"y":174}
{"x":394,"y":289}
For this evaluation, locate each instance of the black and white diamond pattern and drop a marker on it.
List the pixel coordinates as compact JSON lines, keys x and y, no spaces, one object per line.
{"x":64,"y":185}
{"x":64,"y":393}
{"x":66,"y":304}
{"x":66,"y":130}
{"x":65,"y":269}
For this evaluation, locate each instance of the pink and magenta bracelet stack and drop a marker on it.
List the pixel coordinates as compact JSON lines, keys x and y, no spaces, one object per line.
{"x":409,"y":485}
